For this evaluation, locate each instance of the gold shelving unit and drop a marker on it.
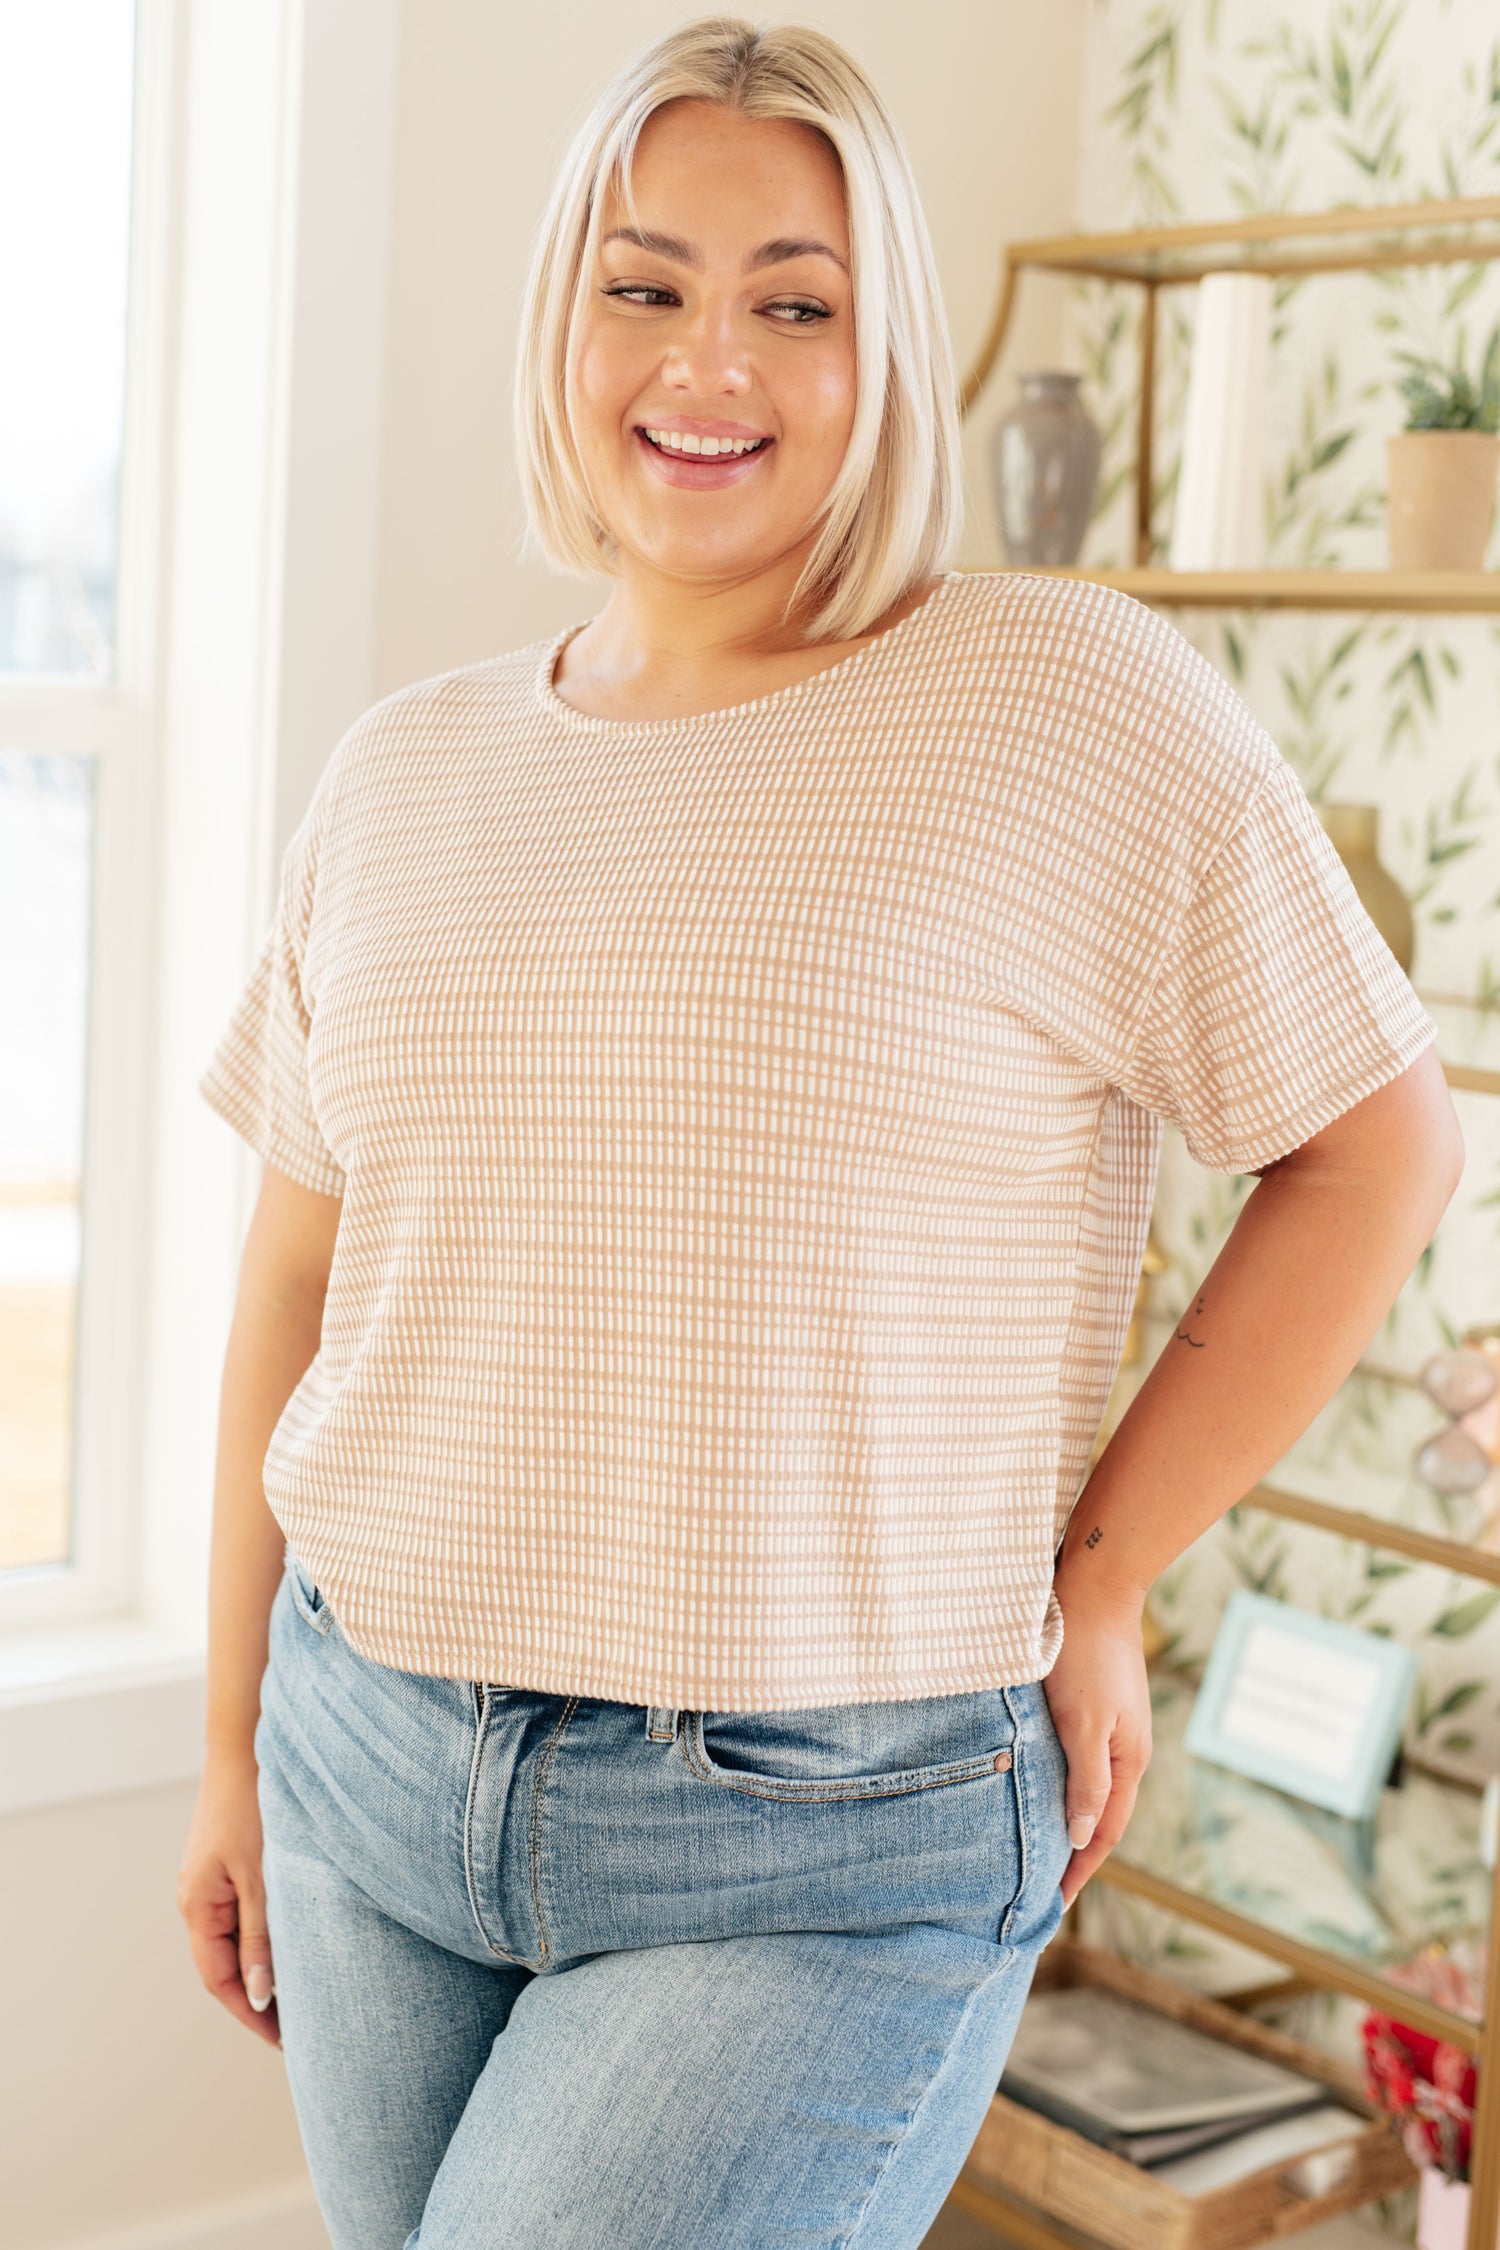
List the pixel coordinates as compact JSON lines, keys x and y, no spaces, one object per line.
{"x":1155,"y":258}
{"x":1464,"y":232}
{"x":1452,"y":592}
{"x":1404,"y":1815}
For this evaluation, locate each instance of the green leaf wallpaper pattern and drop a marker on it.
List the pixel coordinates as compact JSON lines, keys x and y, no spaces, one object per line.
{"x":1208,"y":112}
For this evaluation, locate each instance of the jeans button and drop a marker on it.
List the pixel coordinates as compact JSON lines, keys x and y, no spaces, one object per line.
{"x":1002,"y":1761}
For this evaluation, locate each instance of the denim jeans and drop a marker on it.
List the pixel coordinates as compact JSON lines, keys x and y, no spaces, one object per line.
{"x":558,"y":1973}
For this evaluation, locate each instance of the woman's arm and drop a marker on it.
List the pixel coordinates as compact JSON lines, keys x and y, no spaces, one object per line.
{"x":1312,"y":1266}
{"x":274,"y":1335}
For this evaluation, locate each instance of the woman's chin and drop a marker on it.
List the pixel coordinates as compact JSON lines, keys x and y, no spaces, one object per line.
{"x":702,"y":555}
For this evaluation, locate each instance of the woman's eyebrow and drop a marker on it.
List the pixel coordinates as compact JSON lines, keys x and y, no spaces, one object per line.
{"x":772,"y":253}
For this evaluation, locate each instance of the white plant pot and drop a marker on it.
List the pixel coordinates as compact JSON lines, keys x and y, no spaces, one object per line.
{"x":1442,"y":2211}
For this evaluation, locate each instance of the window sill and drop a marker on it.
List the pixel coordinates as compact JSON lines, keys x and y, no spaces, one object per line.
{"x":89,"y":1710}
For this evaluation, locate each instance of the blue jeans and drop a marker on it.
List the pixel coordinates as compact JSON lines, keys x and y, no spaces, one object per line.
{"x":557,"y":1973}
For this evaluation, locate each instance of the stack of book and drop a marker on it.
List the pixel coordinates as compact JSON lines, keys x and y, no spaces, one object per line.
{"x":1160,"y":2093}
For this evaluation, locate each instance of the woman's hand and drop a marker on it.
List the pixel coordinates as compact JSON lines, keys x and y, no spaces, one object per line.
{"x":221,"y":1897}
{"x":1100,"y":1701}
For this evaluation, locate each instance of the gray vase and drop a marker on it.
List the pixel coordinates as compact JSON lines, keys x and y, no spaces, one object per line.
{"x":1044,"y":464}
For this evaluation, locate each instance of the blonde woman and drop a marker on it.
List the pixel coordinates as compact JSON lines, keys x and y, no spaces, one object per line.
{"x":709,"y":1065}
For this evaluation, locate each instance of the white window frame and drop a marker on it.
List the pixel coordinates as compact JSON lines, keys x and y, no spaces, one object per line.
{"x":262,"y":173}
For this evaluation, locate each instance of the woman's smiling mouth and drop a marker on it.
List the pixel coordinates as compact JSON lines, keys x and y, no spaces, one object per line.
{"x":680,"y":457}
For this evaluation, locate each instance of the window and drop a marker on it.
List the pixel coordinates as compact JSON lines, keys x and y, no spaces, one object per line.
{"x":67,"y":73}
{"x":195,"y":293}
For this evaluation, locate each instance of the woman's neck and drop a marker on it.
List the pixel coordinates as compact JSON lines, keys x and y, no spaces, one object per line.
{"x":646,"y":657}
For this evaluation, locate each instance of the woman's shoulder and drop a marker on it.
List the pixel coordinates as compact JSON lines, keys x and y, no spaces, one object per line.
{"x":413,"y":725}
{"x":442,"y":695}
{"x":1118,"y":707}
{"x":1086,"y":624}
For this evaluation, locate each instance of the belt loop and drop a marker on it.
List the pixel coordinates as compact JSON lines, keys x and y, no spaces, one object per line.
{"x":661,"y":1724}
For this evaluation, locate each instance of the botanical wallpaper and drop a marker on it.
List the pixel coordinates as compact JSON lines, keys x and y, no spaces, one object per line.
{"x":1208,"y":110}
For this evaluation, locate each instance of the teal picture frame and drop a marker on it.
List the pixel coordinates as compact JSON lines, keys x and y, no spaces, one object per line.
{"x":1309,"y":1706}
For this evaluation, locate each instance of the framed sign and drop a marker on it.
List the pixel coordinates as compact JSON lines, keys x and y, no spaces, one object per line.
{"x":1312,"y":1707}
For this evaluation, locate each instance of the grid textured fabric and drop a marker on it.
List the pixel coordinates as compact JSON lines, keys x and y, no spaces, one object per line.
{"x":747,"y":1126}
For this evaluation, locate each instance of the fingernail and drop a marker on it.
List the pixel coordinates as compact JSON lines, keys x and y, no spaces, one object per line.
{"x":1080,"y":1829}
{"x":259,"y":1987}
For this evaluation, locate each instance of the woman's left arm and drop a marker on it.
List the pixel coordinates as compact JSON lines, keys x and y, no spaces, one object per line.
{"x":1312,"y":1266}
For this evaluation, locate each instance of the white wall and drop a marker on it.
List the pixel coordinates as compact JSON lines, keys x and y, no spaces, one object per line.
{"x":128,"y":2098}
{"x":126,"y":2094}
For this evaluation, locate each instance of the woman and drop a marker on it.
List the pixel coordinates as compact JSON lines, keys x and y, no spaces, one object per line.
{"x":709,"y":1066}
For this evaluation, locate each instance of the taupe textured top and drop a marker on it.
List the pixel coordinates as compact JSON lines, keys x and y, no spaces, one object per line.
{"x":747,"y":1125}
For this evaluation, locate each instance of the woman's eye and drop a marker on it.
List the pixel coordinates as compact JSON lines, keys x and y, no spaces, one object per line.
{"x":635,"y":290}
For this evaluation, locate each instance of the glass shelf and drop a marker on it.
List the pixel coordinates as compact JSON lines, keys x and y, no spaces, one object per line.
{"x":1354,"y":1461}
{"x":1434,"y":592}
{"x":1288,"y":1878}
{"x":1277,"y":242}
{"x":1357,"y":1454}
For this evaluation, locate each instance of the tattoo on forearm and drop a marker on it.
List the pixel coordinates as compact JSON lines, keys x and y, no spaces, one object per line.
{"x":1181,"y":1336}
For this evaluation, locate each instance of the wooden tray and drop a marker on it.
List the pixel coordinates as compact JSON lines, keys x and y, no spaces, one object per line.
{"x":1022,"y":2155}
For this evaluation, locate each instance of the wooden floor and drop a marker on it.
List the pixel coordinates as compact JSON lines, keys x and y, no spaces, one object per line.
{"x":1354,"y":2231}
{"x":955,"y":2231}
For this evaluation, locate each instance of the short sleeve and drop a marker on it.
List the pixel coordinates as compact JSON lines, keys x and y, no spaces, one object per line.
{"x":1278,"y":1005}
{"x":258,"y":1078}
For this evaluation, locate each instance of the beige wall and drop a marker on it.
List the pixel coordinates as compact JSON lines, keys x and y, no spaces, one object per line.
{"x":127,"y":2095}
{"x":125,"y":2092}
{"x":986,"y":96}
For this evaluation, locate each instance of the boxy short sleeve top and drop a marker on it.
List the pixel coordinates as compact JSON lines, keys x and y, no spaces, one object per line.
{"x":747,"y":1124}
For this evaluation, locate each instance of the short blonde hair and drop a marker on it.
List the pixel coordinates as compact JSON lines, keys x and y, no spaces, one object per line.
{"x":896,"y":508}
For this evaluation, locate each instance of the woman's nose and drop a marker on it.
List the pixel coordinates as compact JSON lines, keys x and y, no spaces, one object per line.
{"x":707,"y":351}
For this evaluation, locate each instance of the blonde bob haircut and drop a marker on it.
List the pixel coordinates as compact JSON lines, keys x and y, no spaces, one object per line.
{"x":895,"y":510}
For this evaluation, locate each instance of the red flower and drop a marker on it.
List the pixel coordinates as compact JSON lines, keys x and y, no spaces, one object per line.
{"x":1426,"y":2085}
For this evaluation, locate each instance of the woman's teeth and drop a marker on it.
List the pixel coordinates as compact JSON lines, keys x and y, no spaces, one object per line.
{"x":680,"y":441}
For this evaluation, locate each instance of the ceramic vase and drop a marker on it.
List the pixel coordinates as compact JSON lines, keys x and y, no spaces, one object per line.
{"x":1440,"y":498}
{"x":1044,"y":467}
{"x":1354,"y":832}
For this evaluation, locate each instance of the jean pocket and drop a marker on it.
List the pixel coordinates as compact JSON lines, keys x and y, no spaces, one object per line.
{"x":306,"y":1599}
{"x":829,"y":1751}
{"x":1047,"y":1852}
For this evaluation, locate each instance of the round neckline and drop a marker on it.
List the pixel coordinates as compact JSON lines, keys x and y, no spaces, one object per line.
{"x":593,"y":722}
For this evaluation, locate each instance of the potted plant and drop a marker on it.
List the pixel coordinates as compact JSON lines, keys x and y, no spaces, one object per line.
{"x":1426,"y":2087}
{"x":1441,"y":467}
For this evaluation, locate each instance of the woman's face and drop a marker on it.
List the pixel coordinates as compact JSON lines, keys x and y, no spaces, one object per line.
{"x":727,"y":321}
